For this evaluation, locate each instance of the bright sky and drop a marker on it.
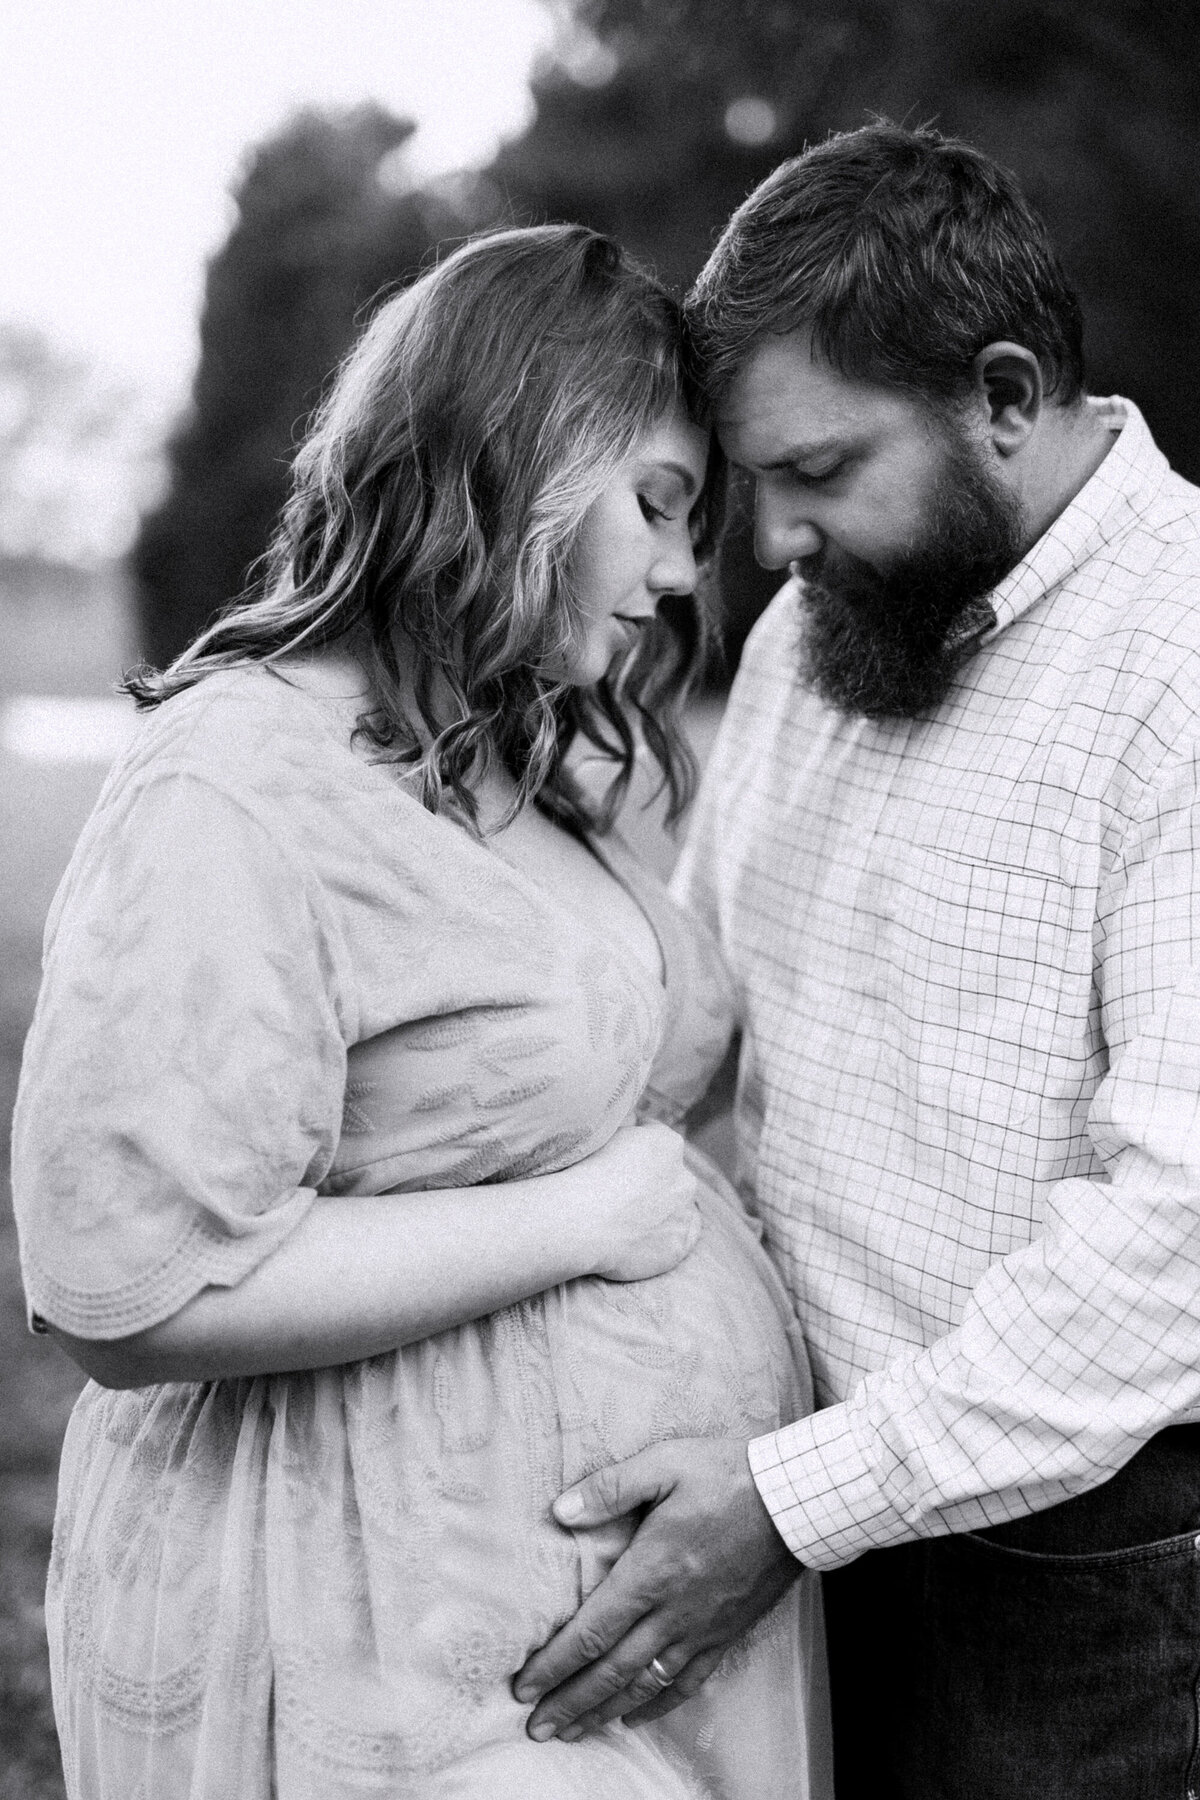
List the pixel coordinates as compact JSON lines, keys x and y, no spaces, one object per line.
{"x":122,"y":123}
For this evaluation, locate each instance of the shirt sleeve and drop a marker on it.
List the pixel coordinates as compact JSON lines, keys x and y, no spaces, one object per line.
{"x":1076,"y":1349}
{"x":181,"y":1092}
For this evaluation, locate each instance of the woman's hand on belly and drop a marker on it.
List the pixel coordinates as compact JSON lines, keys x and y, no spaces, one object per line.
{"x":645,"y":1196}
{"x":362,"y":1275}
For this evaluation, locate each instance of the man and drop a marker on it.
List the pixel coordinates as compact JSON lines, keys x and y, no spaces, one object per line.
{"x":950,"y":838}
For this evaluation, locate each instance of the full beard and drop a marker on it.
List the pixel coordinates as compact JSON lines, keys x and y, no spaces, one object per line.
{"x":891,"y":645}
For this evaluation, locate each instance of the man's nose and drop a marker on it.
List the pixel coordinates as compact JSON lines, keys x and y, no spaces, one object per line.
{"x":783,"y":532}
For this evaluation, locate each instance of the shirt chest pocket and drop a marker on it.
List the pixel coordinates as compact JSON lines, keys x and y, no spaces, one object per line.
{"x":986,"y":979}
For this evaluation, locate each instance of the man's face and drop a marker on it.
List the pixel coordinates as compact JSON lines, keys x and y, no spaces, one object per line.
{"x":886,"y":509}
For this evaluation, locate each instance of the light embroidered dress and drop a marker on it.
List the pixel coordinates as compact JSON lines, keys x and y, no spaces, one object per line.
{"x":272,"y":974}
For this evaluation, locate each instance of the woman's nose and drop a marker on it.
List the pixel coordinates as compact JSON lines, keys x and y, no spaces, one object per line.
{"x":674,"y":571}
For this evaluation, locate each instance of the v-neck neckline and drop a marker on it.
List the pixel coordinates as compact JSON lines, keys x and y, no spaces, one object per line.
{"x":658,"y":978}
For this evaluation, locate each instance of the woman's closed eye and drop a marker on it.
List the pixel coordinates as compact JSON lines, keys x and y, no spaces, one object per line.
{"x":653,"y":513}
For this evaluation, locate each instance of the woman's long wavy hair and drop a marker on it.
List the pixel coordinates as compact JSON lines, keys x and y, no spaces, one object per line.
{"x":435,"y":505}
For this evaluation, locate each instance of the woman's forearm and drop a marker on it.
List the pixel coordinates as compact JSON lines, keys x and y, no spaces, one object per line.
{"x":365,"y":1274}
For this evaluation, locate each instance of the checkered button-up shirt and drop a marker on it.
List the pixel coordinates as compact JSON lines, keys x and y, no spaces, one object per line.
{"x":968,"y":948}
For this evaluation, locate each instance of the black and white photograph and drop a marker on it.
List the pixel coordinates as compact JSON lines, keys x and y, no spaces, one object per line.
{"x":600,"y":900}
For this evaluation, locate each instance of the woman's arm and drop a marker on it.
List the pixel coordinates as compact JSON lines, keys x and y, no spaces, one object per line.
{"x":366,"y":1274}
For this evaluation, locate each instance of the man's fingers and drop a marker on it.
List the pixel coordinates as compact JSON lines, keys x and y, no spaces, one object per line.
{"x":621,"y":1600}
{"x":601,"y":1622}
{"x":609,"y":1680}
{"x":688,"y":1682}
{"x":701,"y":1566}
{"x":614,"y":1490}
{"x":645,"y":1697}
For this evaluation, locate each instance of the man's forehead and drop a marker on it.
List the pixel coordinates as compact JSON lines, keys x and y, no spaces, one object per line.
{"x":788,"y":403}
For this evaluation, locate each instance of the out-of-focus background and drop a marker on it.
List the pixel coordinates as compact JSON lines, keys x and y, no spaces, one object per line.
{"x":199,"y":206}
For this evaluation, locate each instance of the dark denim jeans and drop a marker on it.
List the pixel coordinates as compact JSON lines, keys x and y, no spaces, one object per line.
{"x":1053,"y":1658}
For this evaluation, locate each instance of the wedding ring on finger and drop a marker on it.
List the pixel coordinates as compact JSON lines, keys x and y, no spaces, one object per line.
{"x":658,"y":1675}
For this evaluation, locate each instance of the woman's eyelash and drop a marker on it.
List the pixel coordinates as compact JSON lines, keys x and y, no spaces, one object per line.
{"x":651,"y":511}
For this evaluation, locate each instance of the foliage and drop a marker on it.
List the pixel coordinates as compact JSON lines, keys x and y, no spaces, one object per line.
{"x":653,"y":121}
{"x":320,"y":232}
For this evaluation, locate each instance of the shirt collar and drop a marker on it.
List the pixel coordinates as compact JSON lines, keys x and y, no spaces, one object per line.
{"x":1120,"y":490}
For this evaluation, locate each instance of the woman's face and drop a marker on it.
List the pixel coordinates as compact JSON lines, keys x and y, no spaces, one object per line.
{"x":635,"y":544}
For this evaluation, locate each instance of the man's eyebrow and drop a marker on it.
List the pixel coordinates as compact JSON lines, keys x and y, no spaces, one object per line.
{"x":804,"y":452}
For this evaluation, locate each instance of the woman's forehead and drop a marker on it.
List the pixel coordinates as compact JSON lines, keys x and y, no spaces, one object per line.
{"x":677,"y":446}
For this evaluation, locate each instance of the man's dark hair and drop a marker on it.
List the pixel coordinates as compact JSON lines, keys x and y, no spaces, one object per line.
{"x":904,"y":253}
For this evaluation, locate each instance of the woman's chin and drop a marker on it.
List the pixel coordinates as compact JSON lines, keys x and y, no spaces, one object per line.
{"x":586,"y":670}
{"x":605,"y":654}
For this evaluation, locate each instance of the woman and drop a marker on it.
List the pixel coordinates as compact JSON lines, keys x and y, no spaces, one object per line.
{"x":327,"y":1163}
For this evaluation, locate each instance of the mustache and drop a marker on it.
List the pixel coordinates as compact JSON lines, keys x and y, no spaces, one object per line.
{"x":903,"y":605}
{"x":837,"y":571}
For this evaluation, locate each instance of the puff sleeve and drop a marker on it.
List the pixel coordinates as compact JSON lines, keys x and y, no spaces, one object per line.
{"x":182,"y":1086}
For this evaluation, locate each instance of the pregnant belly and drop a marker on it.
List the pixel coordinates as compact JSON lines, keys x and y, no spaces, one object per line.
{"x":375,"y":1541}
{"x":707,"y":1350}
{"x":448,"y":1454}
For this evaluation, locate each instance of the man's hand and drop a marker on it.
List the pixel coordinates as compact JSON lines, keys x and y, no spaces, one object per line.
{"x":704,"y":1563}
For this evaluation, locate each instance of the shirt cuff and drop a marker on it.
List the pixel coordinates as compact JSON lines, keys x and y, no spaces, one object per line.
{"x":821,"y":1492}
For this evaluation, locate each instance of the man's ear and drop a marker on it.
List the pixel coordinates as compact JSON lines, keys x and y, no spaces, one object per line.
{"x":1008,"y":385}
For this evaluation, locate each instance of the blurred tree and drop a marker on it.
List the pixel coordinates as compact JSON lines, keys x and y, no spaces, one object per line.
{"x":78,"y":454}
{"x":657,"y":117}
{"x":654,"y":118}
{"x":326,"y":222}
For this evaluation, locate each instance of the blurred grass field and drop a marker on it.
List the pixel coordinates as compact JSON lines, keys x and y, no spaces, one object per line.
{"x":61,"y":632}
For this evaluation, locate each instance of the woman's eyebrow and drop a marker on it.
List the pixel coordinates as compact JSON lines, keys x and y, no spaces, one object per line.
{"x":682,"y":473}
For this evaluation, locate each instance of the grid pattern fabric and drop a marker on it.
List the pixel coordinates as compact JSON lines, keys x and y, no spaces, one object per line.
{"x":968,"y":952}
